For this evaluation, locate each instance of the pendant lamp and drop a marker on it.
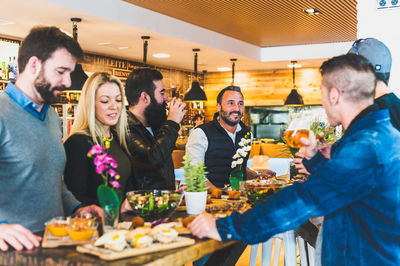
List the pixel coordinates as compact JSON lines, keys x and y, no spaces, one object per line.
{"x":78,"y":76}
{"x":145,"y":47}
{"x":294,"y":98}
{"x":233,"y":60}
{"x":195,"y":93}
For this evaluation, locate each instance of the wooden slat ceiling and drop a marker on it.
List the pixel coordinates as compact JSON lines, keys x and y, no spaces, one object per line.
{"x":265,"y":22}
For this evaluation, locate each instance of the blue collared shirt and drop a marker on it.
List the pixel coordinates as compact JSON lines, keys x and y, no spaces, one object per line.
{"x":25,"y":102}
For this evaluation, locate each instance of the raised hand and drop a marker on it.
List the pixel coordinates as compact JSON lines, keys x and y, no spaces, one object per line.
{"x":176,"y":110}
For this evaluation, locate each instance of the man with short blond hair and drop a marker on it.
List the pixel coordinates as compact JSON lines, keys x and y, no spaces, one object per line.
{"x":356,"y":190}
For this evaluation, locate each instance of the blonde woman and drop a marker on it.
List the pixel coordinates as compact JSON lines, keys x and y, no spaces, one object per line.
{"x":101,"y":113}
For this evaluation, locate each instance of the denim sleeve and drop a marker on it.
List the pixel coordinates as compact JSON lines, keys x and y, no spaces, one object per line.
{"x":335,"y":184}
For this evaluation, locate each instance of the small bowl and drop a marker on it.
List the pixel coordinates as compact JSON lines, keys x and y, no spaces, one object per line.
{"x":153,"y":205}
{"x":80,"y":229}
{"x":57,"y":226}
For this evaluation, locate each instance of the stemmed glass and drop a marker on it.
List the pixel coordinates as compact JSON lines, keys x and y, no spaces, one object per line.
{"x":298,"y":128}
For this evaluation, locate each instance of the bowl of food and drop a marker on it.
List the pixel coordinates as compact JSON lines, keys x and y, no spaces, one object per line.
{"x":57,"y":226}
{"x":153,"y":205}
{"x":80,"y":229}
{"x":258,"y":190}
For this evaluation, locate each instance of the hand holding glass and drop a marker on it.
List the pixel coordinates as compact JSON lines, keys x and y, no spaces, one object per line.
{"x":298,"y":128}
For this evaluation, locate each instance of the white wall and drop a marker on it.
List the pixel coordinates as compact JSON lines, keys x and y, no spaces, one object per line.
{"x":382,"y":24}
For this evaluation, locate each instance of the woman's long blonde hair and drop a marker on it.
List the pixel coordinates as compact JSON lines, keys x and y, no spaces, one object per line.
{"x":85,"y":119}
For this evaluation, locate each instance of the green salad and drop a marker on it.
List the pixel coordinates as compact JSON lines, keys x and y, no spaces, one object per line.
{"x":153,"y":205}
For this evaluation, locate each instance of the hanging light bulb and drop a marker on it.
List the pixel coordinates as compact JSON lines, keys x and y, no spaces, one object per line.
{"x":294,"y":98}
{"x":195,"y":93}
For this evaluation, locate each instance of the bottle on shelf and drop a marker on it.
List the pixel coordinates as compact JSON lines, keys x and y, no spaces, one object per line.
{"x":3,"y":70}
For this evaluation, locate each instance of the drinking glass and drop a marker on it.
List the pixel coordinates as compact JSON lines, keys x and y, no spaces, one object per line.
{"x":298,"y":128}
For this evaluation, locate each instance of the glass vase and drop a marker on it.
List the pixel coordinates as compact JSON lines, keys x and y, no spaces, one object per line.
{"x":110,"y":203}
{"x":235,"y":177}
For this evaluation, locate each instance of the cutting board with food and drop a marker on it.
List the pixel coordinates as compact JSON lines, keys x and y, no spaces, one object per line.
{"x":118,"y":244}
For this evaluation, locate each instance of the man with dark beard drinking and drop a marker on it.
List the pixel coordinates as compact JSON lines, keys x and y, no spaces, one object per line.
{"x":152,"y":133}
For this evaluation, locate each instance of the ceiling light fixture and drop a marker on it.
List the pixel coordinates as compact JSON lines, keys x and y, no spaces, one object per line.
{"x":293,"y":65}
{"x":233,"y":60}
{"x":294,"y":98}
{"x":4,"y":22}
{"x":78,"y":76}
{"x":104,"y":43}
{"x":195,"y":93}
{"x":145,"y":48}
{"x":162,"y":55}
{"x":224,"y":69}
{"x":311,"y":11}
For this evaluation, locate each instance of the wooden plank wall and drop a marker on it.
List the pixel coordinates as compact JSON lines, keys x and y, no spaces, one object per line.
{"x":264,"y":87}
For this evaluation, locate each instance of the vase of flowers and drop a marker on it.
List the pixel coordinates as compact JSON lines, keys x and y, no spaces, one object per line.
{"x":196,"y":189}
{"x":107,"y":193}
{"x":236,"y":175}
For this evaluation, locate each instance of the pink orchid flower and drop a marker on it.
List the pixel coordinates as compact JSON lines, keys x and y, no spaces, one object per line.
{"x":96,"y":149}
{"x":100,"y":159}
{"x":112,"y":172}
{"x":115,"y":184}
{"x":101,"y":168}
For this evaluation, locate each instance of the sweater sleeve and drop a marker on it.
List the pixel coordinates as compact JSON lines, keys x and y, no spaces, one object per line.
{"x":76,"y":174}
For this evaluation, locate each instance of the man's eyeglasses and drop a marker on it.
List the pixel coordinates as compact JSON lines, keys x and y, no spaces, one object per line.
{"x":355,"y":45}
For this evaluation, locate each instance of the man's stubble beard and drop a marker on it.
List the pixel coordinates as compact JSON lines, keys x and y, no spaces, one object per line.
{"x":225,"y":116}
{"x":45,"y":90}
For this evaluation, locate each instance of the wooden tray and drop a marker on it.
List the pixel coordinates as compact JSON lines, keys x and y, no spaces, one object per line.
{"x":50,"y":241}
{"x":107,"y":254}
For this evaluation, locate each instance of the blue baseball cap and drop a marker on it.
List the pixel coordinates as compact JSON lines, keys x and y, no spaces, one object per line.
{"x":375,"y":51}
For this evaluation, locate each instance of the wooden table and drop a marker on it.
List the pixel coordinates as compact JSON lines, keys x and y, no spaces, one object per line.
{"x":222,"y":253}
{"x":227,"y":254}
{"x":68,"y":256}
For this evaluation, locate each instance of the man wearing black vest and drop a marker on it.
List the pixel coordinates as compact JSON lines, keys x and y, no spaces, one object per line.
{"x":216,"y":142}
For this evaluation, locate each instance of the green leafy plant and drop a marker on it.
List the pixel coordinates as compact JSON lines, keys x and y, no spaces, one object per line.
{"x":329,"y":133}
{"x":195,"y":176}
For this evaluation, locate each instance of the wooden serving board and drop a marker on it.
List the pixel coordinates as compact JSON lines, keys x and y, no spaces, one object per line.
{"x":107,"y":254}
{"x":50,"y":241}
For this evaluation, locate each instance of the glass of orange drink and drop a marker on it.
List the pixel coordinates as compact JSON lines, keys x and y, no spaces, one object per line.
{"x":298,"y":128}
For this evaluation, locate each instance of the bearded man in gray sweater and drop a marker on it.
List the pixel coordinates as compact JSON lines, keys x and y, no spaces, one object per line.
{"x":32,"y":157}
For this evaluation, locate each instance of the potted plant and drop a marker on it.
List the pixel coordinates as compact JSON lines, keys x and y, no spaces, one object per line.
{"x":196,"y":189}
{"x":107,"y":193}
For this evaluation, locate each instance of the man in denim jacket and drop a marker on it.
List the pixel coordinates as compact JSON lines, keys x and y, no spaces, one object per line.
{"x":357,"y":189}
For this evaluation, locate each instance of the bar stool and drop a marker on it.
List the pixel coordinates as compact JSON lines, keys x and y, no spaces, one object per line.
{"x":306,"y":252}
{"x":289,"y":245}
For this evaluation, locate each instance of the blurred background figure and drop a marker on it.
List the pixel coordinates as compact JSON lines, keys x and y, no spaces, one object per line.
{"x":198,"y":120}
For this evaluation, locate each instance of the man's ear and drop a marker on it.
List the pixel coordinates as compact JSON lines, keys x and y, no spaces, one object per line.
{"x":145,"y":98}
{"x":334,"y":96}
{"x":34,"y":65}
{"x":218,"y":107}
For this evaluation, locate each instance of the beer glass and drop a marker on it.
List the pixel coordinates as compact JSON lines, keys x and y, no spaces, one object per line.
{"x":298,"y":128}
